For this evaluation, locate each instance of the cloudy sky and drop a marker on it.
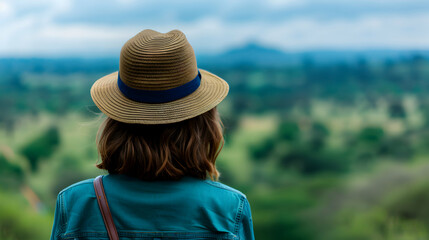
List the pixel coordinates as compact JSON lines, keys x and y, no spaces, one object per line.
{"x":100,"y":28}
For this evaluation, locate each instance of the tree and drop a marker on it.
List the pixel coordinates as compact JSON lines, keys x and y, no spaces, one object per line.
{"x":41,"y":147}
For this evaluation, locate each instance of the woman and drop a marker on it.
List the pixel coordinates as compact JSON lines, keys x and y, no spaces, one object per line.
{"x":159,"y":145}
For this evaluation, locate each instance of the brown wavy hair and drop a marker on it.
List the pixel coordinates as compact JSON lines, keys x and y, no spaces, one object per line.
{"x":162,"y":152}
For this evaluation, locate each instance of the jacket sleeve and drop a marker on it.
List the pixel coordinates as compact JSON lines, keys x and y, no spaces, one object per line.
{"x":59,"y":218}
{"x":246,"y":227}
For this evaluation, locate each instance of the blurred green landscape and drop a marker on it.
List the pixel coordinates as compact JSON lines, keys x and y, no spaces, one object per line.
{"x":324,"y":150}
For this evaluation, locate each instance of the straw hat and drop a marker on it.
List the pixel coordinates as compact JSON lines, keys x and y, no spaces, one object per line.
{"x":158,"y":82}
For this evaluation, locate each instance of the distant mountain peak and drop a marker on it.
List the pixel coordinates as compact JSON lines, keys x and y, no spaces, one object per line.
{"x":254,"y":48}
{"x":255,"y":54}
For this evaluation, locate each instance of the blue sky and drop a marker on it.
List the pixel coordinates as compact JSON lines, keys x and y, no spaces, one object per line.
{"x":100,"y":28}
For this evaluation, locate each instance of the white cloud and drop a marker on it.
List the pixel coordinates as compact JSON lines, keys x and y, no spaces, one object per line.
{"x":6,"y":10}
{"x":388,"y":31}
{"x":285,"y":3}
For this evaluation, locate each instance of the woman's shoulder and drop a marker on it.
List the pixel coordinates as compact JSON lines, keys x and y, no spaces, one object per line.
{"x":220,"y":187}
{"x":207,"y":192}
{"x":81,"y":187}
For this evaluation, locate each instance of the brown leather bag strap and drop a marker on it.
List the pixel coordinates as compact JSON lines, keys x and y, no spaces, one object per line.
{"x":104,"y":208}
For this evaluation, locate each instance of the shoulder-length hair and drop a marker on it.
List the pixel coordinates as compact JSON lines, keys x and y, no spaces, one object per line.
{"x":162,"y":152}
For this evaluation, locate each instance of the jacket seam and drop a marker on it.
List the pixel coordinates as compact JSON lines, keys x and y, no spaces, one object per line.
{"x":63,"y":216}
{"x":239,"y":216}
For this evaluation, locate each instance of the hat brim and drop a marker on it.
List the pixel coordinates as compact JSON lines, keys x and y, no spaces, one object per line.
{"x":109,"y":99}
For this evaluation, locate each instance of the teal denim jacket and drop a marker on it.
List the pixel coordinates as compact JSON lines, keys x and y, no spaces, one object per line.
{"x":185,"y":209}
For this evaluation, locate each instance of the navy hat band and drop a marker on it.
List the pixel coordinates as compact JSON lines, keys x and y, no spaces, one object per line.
{"x":159,"y":96}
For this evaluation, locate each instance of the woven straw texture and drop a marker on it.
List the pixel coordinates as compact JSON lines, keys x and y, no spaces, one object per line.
{"x":157,"y":61}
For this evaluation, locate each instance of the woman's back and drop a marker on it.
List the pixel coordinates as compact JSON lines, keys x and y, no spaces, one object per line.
{"x":159,"y":144}
{"x":186,"y":209}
